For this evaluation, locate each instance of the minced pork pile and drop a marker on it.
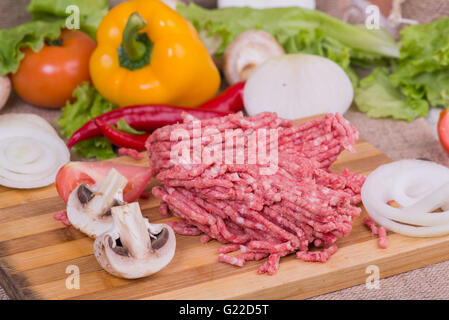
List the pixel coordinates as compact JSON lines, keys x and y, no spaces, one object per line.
{"x":256,"y":214}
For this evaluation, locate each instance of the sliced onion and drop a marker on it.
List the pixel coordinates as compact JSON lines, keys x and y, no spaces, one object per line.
{"x":31,"y":153}
{"x":419,"y":187}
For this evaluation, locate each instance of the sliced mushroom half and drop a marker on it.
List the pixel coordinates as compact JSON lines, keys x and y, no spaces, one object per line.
{"x":246,"y":52}
{"x":134,"y":248}
{"x":89,"y":207}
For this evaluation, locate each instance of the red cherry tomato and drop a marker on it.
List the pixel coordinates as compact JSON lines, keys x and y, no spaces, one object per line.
{"x":47,"y":78}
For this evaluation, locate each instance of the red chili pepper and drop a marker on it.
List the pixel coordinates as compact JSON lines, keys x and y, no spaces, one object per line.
{"x":229,"y":101}
{"x":149,"y":118}
{"x":123,"y":139}
{"x":144,"y":118}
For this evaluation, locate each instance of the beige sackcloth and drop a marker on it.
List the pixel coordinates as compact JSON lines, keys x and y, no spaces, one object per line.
{"x":397,"y":139}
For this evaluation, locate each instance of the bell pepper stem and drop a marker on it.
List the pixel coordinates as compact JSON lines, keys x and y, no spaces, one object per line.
{"x":133,"y":48}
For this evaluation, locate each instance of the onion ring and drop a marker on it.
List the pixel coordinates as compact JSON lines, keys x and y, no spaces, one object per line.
{"x":31,"y":153}
{"x":20,"y":118}
{"x":419,"y":187}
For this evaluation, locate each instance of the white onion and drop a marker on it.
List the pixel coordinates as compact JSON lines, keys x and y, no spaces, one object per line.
{"x":419,"y":187}
{"x":297,"y":86}
{"x":31,"y":153}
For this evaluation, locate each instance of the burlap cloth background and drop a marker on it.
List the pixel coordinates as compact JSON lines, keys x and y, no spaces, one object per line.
{"x":397,"y":139}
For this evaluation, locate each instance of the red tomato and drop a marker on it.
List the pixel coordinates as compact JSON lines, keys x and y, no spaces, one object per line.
{"x":47,"y":78}
{"x":92,"y":173}
{"x":443,"y":129}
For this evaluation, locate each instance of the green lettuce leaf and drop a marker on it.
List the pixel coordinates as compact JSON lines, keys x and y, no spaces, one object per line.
{"x":423,"y":67}
{"x":419,"y":79}
{"x":91,"y":12}
{"x":30,"y":35}
{"x":378,"y":98}
{"x":424,"y":48}
{"x":285,"y":23}
{"x":87,"y":104}
{"x":98,"y":148}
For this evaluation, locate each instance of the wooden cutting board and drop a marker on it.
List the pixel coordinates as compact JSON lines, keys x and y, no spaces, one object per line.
{"x":36,"y":250}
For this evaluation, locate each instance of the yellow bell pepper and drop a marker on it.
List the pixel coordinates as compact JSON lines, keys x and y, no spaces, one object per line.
{"x":148,"y":53}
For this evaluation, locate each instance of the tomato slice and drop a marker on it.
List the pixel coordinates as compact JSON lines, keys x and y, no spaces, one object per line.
{"x":74,"y":173}
{"x":443,"y":129}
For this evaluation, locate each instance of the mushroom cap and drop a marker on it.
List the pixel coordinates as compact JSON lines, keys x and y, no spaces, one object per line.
{"x":246,"y":52}
{"x":121,"y":264}
{"x":84,"y":218}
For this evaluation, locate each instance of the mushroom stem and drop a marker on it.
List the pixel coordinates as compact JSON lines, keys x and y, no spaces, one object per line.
{"x":108,"y":192}
{"x":132,"y":228}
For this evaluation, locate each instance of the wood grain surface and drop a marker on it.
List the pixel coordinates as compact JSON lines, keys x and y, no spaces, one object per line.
{"x":35,"y":251}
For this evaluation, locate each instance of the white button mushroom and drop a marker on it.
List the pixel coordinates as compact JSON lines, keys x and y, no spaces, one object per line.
{"x":134,"y":248}
{"x":246,"y":52}
{"x":88,"y":207}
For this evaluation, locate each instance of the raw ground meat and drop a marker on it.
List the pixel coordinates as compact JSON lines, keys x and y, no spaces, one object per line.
{"x":300,"y":205}
{"x":130,"y":153}
{"x":381,"y":232}
{"x":62,"y":216}
{"x":371,"y":225}
{"x":383,"y":240}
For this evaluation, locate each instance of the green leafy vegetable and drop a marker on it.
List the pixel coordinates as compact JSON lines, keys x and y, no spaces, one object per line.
{"x":123,"y":126}
{"x":419,"y":79}
{"x":30,"y":35}
{"x":91,"y":12}
{"x":378,"y":98}
{"x":297,"y":30}
{"x":88,"y":104}
{"x":99,"y":148}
